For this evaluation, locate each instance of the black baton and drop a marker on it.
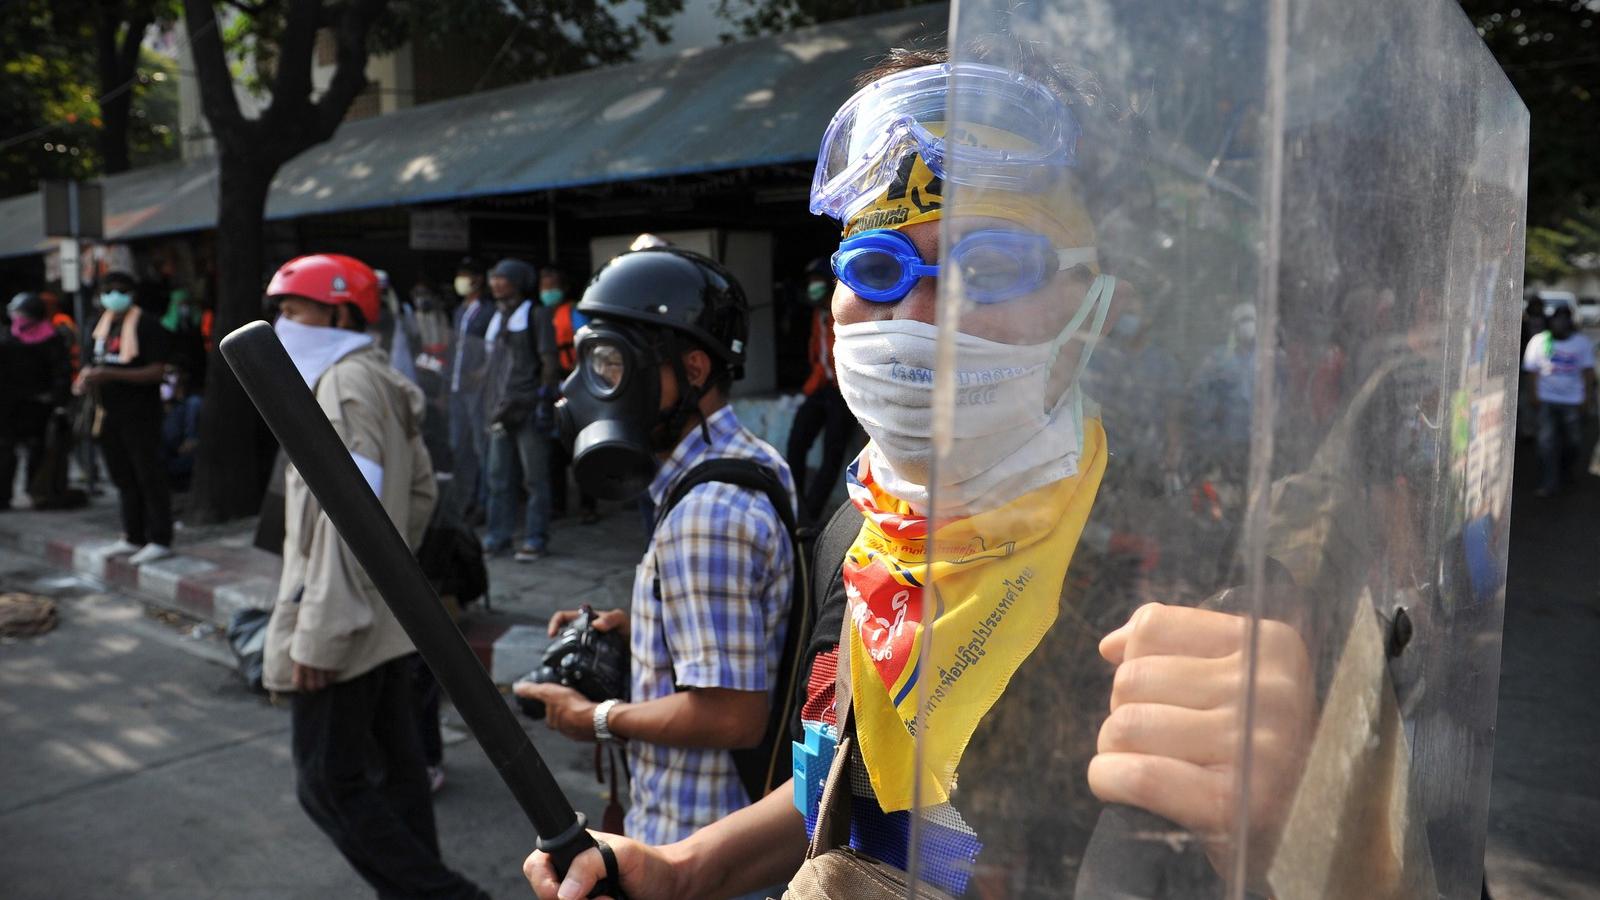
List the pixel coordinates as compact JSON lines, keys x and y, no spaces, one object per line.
{"x":280,"y":394}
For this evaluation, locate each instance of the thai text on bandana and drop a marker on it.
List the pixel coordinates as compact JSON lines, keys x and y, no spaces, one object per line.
{"x":976,"y":607}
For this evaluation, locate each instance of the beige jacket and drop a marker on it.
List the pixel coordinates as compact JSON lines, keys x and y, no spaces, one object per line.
{"x":340,"y":622}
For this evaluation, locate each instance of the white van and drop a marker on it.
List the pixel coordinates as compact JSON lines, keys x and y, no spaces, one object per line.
{"x":1588,"y":312}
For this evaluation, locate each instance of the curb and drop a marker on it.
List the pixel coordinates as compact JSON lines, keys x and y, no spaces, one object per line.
{"x":215,"y":581}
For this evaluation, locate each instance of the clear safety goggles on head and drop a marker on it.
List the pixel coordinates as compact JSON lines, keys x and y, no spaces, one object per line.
{"x":890,"y":119}
{"x":994,"y":264}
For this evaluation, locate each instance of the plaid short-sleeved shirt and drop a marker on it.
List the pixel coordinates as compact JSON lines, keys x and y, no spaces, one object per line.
{"x":723,"y":562}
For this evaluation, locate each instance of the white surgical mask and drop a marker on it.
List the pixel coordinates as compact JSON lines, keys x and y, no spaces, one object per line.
{"x":314,"y":349}
{"x":463,"y":285}
{"x":1005,"y":440}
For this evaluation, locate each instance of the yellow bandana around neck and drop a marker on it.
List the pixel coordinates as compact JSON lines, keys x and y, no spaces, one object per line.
{"x":995,"y":580}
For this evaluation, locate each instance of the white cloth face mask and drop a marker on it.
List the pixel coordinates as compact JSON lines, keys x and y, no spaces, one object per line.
{"x":314,"y":349}
{"x":1009,"y":436}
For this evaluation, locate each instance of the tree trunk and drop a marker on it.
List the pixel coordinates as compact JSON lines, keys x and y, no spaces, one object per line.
{"x":234,"y":457}
{"x":114,"y":114}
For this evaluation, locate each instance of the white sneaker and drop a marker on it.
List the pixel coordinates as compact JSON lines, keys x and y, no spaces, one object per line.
{"x":150,"y":553}
{"x":121,"y":547}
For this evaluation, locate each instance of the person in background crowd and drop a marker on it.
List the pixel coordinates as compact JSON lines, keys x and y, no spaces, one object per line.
{"x":182,"y":320}
{"x":565,"y":322}
{"x":395,"y":328}
{"x":332,"y":643}
{"x":468,"y":430}
{"x":1218,"y":427}
{"x":1534,"y":324}
{"x":430,"y":341}
{"x":64,"y":325}
{"x":521,"y":339}
{"x":1560,"y":363}
{"x":37,"y":374}
{"x":180,"y":430}
{"x":124,"y":378}
{"x":824,"y":410}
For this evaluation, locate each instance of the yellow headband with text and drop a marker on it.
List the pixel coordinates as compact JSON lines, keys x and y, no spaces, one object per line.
{"x":1053,"y":208}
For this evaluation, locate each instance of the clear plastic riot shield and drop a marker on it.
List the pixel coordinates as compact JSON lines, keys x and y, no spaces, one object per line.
{"x":1208,"y":596}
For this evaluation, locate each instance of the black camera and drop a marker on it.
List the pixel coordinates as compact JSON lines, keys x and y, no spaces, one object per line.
{"x":594,"y":663}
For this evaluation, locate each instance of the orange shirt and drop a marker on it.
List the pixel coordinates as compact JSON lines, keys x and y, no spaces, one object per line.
{"x":820,"y":352}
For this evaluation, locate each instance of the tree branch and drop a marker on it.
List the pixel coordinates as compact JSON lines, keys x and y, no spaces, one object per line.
{"x":350,"y":78}
{"x":211,"y":65}
{"x":132,"y":39}
{"x":291,"y":83}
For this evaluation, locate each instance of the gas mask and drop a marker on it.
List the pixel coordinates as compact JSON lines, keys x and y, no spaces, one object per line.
{"x":610,"y":412}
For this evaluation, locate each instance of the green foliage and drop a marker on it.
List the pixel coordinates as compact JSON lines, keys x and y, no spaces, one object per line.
{"x":1556,"y":252}
{"x":527,"y":39}
{"x":758,"y":17}
{"x":153,"y":131}
{"x":51,"y":84}
{"x":1550,"y":50}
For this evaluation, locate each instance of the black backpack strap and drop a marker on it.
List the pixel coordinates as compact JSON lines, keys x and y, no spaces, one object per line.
{"x":827,"y":562}
{"x":745,"y":473}
{"x":765,"y":766}
{"x":827,"y":575}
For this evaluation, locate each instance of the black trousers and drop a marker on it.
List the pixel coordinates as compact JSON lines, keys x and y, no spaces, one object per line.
{"x":425,"y":690}
{"x":25,"y":432}
{"x":824,"y":411}
{"x":359,"y":775}
{"x":130,"y":442}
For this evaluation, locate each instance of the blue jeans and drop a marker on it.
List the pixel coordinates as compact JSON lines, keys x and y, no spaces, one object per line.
{"x":525,"y":449}
{"x":1560,"y":441}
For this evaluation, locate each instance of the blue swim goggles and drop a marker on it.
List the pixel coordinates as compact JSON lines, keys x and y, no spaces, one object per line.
{"x":994,"y":265}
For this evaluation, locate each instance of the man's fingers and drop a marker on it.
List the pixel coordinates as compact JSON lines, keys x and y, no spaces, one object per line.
{"x":541,"y":876}
{"x":610,"y":620}
{"x":1156,"y":629}
{"x":586,"y":872}
{"x":560,"y":620}
{"x":529,"y":690}
{"x":1187,"y":681}
{"x":1203,"y":737}
{"x":1196,"y":798}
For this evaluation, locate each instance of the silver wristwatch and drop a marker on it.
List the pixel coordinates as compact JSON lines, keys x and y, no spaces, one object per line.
{"x":602,"y":729}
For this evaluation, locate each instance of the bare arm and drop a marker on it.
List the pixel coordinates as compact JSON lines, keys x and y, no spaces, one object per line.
{"x":704,"y":717}
{"x":760,"y":845}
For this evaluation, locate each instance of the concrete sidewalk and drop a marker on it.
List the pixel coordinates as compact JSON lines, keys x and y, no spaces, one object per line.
{"x":217,"y":571}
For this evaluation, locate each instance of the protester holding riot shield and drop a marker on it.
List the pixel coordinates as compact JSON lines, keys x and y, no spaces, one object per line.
{"x":1035,"y":676}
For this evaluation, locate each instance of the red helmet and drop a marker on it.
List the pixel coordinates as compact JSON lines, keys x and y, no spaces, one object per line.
{"x":329,"y":278}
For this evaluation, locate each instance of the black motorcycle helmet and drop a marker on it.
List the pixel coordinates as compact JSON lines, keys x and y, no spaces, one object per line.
{"x":677,"y":289}
{"x":645,"y":308}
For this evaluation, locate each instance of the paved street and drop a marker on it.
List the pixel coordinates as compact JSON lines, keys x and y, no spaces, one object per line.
{"x":131,"y":768}
{"x":1545,"y":801}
